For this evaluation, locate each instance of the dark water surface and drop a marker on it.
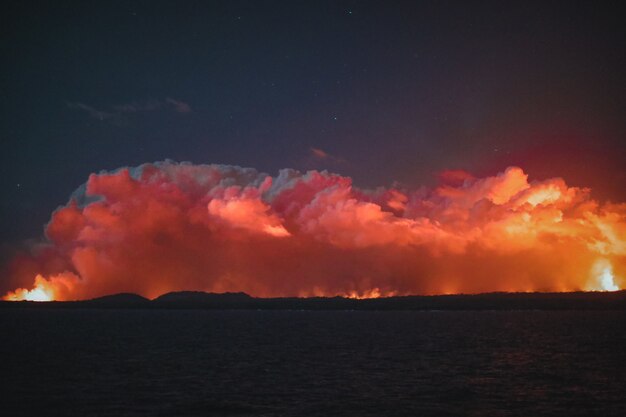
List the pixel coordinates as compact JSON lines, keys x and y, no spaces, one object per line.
{"x":299,"y":363}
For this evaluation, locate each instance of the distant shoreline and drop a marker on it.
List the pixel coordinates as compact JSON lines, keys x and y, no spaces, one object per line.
{"x":241,"y":301}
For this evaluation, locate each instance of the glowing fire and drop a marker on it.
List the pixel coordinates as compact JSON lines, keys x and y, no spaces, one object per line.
{"x":602,"y":277}
{"x":55,"y":288}
{"x":373,"y":293}
{"x":42,"y":291}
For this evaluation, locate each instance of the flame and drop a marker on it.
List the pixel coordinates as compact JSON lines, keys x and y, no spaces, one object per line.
{"x":371,"y":293}
{"x":54,"y":288}
{"x":42,"y":291}
{"x":602,"y":277}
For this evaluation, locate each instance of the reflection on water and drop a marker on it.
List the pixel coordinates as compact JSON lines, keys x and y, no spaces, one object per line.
{"x":296,"y":363}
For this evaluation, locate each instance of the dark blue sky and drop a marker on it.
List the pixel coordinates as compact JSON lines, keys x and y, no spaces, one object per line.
{"x":390,"y":91}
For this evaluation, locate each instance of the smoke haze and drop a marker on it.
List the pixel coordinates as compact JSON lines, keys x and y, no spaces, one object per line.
{"x":169,"y":226}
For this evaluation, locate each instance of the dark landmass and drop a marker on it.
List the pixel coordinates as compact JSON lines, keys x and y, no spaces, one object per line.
{"x":199,"y":299}
{"x":242,"y":301}
{"x":119,"y":300}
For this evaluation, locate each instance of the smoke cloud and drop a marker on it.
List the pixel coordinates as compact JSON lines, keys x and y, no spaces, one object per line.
{"x":172,"y":226}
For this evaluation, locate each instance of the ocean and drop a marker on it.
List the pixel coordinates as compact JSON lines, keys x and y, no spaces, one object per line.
{"x":91,"y":362}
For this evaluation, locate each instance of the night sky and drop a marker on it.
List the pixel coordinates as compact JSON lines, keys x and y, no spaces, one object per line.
{"x":382,"y":92}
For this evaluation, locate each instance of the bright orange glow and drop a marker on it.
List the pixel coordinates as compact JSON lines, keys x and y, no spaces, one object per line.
{"x":55,"y":288}
{"x":372,"y":293}
{"x":38,"y":293}
{"x":602,"y":277}
{"x":169,"y":227}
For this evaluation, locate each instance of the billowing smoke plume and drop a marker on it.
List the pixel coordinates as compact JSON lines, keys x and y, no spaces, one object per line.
{"x":167,"y":226}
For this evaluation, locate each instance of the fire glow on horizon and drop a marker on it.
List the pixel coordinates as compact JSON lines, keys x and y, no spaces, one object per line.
{"x":167,"y":227}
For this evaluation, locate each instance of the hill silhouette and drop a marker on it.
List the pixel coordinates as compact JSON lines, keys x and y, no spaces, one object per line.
{"x":199,"y":299}
{"x":122,"y":299}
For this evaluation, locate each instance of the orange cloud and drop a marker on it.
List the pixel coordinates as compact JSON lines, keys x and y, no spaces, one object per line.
{"x":247,"y":213}
{"x":167,"y":226}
